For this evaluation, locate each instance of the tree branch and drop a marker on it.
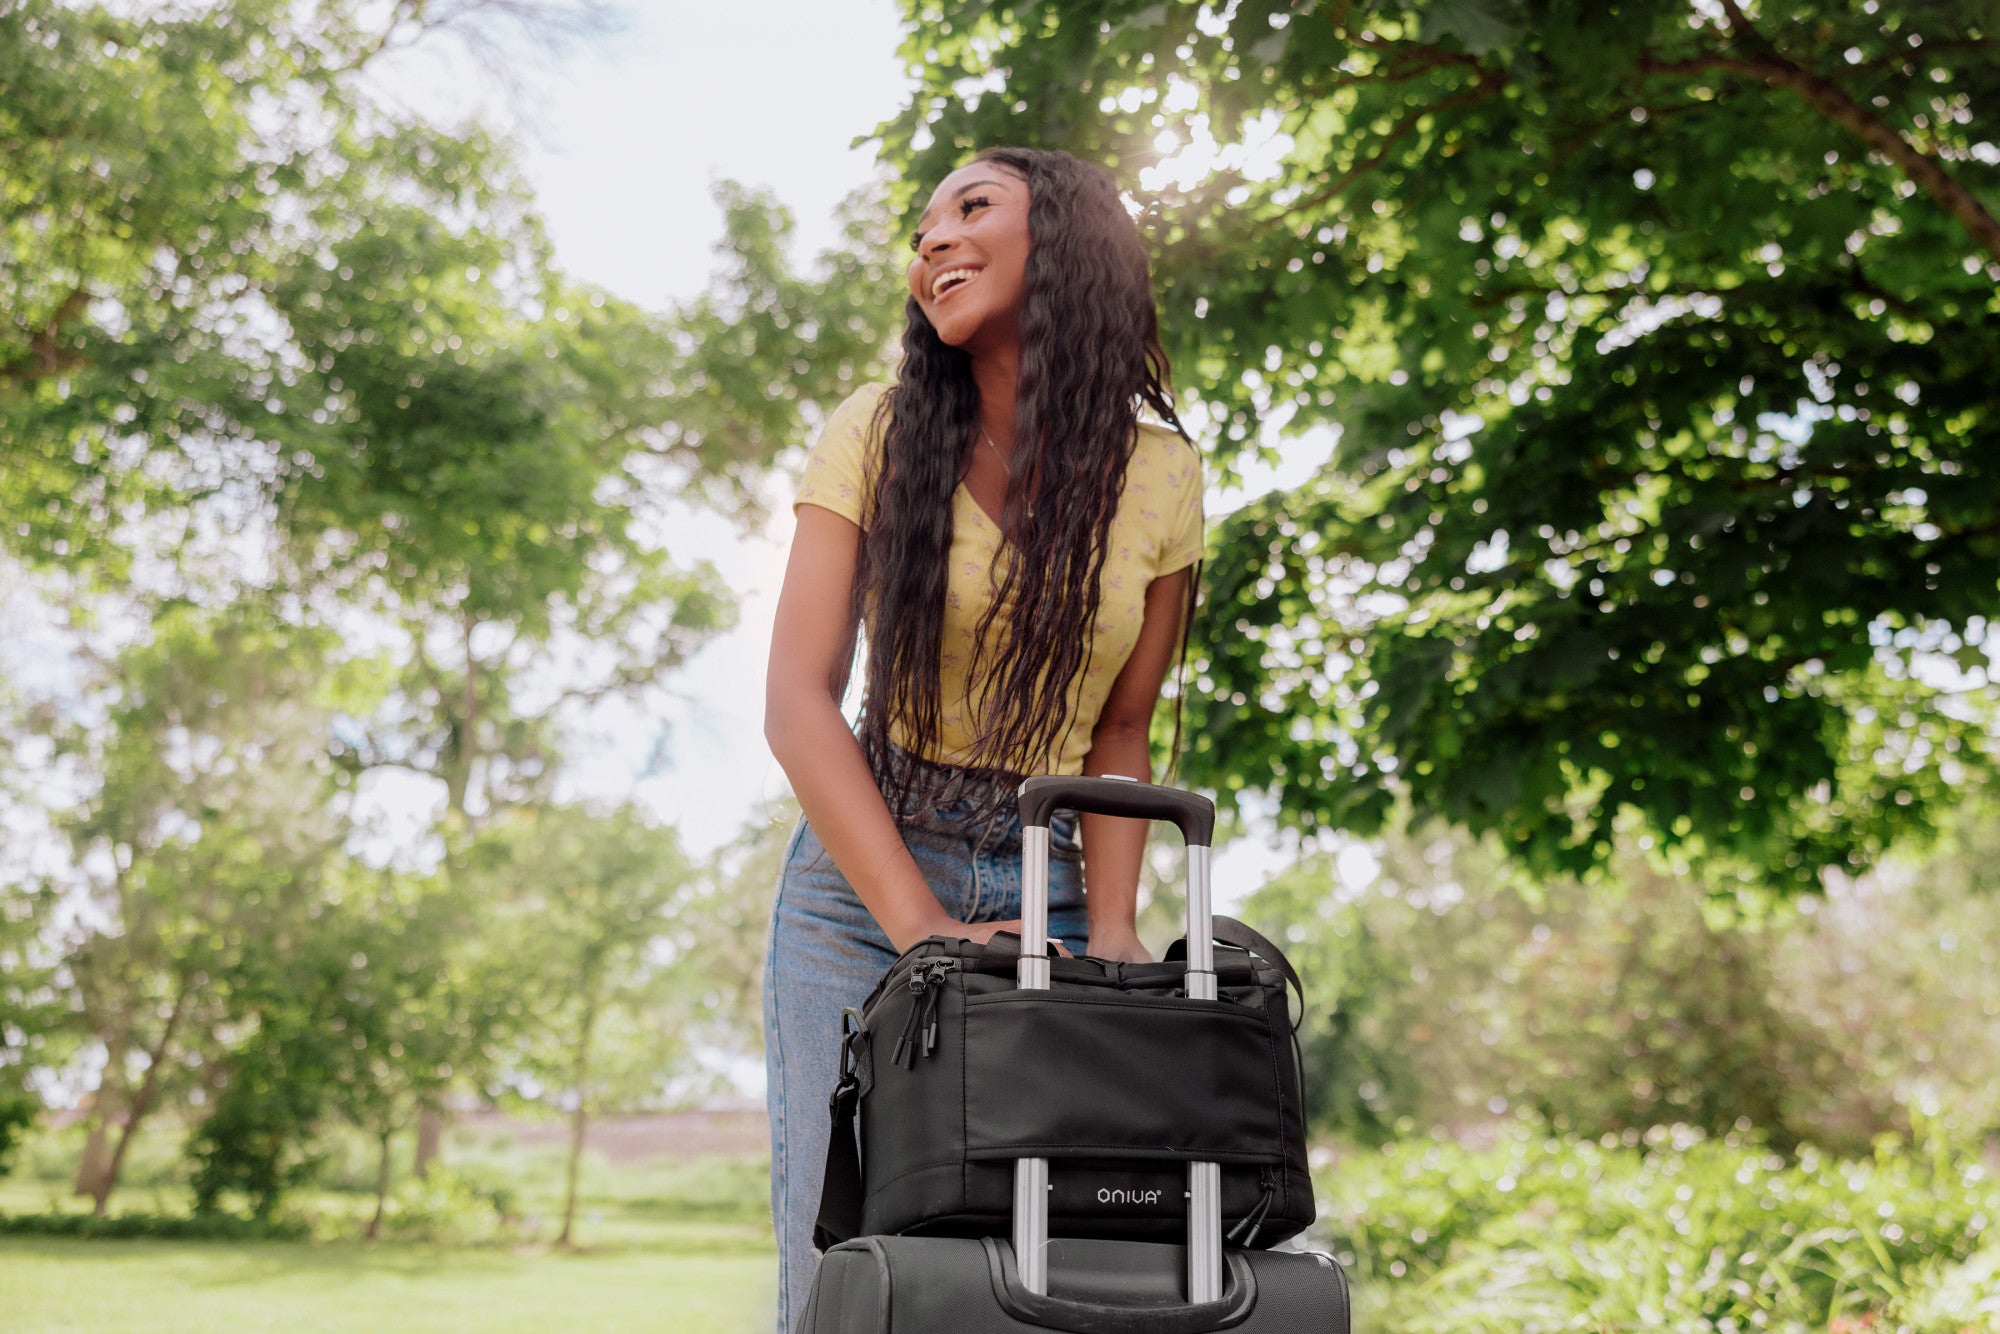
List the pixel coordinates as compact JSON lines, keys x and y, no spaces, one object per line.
{"x":45,"y":355}
{"x":1863,"y":283}
{"x":1423,"y":61}
{"x":1438,"y":54}
{"x":403,"y":12}
{"x":1770,"y":66}
{"x":1489,"y":83}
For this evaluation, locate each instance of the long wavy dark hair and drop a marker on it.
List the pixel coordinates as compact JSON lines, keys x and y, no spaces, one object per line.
{"x":1090,"y":357}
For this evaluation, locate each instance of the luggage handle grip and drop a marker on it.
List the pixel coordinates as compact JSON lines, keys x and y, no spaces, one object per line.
{"x":1190,"y":812}
{"x":1237,"y":1299}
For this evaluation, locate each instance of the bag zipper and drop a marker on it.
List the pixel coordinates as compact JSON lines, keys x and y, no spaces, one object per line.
{"x":920,"y":1029}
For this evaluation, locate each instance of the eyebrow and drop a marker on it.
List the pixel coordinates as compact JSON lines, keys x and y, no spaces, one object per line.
{"x":959,"y":193}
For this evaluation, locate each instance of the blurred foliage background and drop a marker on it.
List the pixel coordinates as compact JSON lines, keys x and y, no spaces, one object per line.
{"x":1616,"y":660}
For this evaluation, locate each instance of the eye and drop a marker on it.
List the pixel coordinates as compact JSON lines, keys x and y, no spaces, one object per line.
{"x":965,"y":207}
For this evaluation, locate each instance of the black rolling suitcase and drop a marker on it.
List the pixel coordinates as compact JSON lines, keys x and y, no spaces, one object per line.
{"x":987,"y":1285}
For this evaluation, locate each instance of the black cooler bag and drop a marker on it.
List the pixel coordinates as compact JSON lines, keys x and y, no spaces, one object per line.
{"x":951,"y":1073}
{"x":1026,"y":1282}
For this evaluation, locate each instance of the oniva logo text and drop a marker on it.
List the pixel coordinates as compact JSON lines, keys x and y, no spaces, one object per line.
{"x":1109,"y":1196}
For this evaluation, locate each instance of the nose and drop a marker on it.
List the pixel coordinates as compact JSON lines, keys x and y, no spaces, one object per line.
{"x":936,"y":243}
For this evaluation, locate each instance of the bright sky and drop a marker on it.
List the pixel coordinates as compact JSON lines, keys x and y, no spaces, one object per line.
{"x":625,"y":138}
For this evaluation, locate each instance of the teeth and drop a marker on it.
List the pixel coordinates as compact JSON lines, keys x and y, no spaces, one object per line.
{"x":939,"y":283}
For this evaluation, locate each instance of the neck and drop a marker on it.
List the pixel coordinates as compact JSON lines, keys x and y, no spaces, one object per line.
{"x":994,"y":373}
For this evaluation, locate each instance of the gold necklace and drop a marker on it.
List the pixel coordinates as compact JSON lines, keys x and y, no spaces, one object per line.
{"x":987,"y":436}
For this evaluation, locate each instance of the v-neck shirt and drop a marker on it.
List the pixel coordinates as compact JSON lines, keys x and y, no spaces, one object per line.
{"x":1156,"y":531}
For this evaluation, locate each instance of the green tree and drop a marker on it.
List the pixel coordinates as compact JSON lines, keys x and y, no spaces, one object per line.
{"x":189,"y":195}
{"x":1449,"y":990}
{"x":765,"y":352}
{"x":30,"y":1017}
{"x":584,"y":938}
{"x":728,"y":917}
{"x":248,"y":306}
{"x":411,"y":1020}
{"x":299,"y":350}
{"x":359,"y":1002}
{"x":1657,"y":343}
{"x":1898,"y":972}
{"x":209,"y":800}
{"x":273,"y":307}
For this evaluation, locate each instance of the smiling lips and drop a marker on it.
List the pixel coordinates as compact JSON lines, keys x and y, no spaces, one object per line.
{"x":950,"y":281}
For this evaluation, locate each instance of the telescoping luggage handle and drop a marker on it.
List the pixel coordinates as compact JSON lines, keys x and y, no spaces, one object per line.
{"x":1195,"y":817}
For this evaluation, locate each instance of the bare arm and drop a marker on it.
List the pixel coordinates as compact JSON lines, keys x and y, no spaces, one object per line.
{"x":1121,"y":743}
{"x":812,"y":648}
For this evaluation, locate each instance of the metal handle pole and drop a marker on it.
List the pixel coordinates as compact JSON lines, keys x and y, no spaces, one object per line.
{"x":1031,"y":1175}
{"x":1196,"y":818}
{"x":1204,"y":1179}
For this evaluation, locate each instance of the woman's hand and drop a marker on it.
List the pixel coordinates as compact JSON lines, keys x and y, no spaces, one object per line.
{"x":979,"y":933}
{"x":1118,"y":944}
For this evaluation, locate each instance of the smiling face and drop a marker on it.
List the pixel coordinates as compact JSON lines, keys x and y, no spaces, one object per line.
{"x":970,"y":274}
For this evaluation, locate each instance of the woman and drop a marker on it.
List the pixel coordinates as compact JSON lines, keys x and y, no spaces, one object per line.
{"x":1020,"y":548}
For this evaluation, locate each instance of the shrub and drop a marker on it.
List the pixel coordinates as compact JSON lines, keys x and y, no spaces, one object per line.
{"x":155,"y":1227}
{"x":258,"y":1140}
{"x":18,"y":1110}
{"x":444,"y":1207}
{"x":1676,"y":1231}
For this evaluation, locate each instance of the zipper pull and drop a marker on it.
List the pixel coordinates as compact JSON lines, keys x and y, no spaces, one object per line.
{"x":903,"y":1043}
{"x":1253,"y":1222}
{"x":933,"y":997}
{"x":920,"y":1029}
{"x":916,"y":983}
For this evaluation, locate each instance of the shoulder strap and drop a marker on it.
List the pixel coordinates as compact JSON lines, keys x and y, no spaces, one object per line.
{"x":841,"y":1191}
{"x":1245,"y":937}
{"x":1240,"y":934}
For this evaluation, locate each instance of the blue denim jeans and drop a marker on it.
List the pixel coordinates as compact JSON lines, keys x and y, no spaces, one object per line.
{"x":826,"y":953}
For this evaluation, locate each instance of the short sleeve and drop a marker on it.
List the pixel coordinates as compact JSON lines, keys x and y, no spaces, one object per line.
{"x":1183,"y":545}
{"x":836,"y":476}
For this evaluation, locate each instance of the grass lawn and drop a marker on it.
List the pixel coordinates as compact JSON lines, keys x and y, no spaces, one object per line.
{"x":668,"y":1243}
{"x":720,"y":1280}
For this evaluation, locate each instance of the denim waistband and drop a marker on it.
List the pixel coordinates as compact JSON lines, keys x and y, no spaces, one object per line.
{"x":931,"y":784}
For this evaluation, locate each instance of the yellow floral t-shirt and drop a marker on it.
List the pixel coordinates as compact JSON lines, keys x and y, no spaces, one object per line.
{"x":1156,"y":531}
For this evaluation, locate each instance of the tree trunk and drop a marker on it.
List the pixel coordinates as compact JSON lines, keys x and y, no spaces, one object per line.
{"x":96,"y":1153}
{"x":430,"y":1138}
{"x":111,"y":1094}
{"x":579,"y":1081}
{"x":381,"y":1189}
{"x":142,"y":1102}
